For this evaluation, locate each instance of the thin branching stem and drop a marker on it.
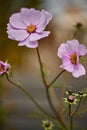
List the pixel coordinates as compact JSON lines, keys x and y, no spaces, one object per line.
{"x":75,"y":34}
{"x":73,"y":113}
{"x":45,"y":83}
{"x":71,"y":122}
{"x":57,"y":114}
{"x":71,"y":117}
{"x":47,"y":90}
{"x":41,"y":68}
{"x":30,"y":96}
{"x":48,"y":97}
{"x":56,"y":78}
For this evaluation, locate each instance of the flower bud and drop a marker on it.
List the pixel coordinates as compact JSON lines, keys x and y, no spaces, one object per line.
{"x":4,"y":67}
{"x":70,"y":98}
{"x":78,"y":25}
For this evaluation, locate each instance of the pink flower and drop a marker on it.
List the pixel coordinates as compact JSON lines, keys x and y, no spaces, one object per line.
{"x":27,"y":26}
{"x":70,"y":53}
{"x":4,"y":67}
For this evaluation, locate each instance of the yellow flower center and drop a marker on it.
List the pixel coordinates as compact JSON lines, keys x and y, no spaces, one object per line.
{"x":1,"y":68}
{"x":31,"y":28}
{"x":73,"y":58}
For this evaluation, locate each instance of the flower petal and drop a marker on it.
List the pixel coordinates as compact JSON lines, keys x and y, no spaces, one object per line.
{"x":79,"y":70}
{"x":17,"y":34}
{"x":4,"y":67}
{"x":16,"y":21}
{"x":67,"y":65}
{"x":28,"y":43}
{"x":62,"y":50}
{"x":30,"y":16}
{"x":44,"y":20}
{"x":32,"y":44}
{"x":37,"y":36}
{"x":82,"y":50}
{"x":72,"y":46}
{"x":9,"y":27}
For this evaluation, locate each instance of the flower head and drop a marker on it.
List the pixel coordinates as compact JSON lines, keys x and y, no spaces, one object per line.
{"x":70,"y":53}
{"x":47,"y":125}
{"x":4,"y":67}
{"x":71,"y":97}
{"x":27,"y":26}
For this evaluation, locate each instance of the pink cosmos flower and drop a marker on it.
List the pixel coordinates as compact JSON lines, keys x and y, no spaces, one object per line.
{"x":70,"y":53}
{"x":4,"y":67}
{"x":27,"y":26}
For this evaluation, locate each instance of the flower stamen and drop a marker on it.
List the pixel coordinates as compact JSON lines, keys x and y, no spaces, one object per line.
{"x":31,"y":28}
{"x":2,"y":68}
{"x":73,"y":58}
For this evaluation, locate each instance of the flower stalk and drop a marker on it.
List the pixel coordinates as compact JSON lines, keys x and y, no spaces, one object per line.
{"x":73,"y":113}
{"x":50,"y":84}
{"x":34,"y":101}
{"x":41,"y":68}
{"x":44,"y":82}
{"x":30,"y":96}
{"x":71,"y":118}
{"x":71,"y":122}
{"x":78,"y":27}
{"x":57,"y":114}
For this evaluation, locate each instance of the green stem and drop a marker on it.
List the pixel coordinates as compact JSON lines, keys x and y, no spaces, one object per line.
{"x":57,"y":114}
{"x":41,"y":68}
{"x":56,"y":78}
{"x":75,"y":34}
{"x":71,"y":118}
{"x":47,"y":90}
{"x":45,"y":83}
{"x":49,"y":100}
{"x":69,"y":109}
{"x":71,"y":122}
{"x":73,"y":113}
{"x":30,"y":96}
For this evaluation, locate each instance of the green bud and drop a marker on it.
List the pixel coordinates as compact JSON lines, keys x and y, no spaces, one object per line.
{"x":47,"y":125}
{"x":78,"y":25}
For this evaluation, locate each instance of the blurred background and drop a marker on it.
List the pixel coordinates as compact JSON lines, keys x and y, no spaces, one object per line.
{"x":14,"y":104}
